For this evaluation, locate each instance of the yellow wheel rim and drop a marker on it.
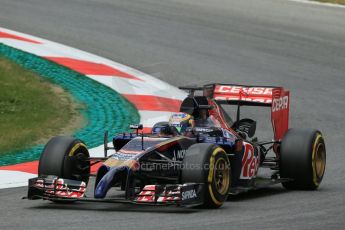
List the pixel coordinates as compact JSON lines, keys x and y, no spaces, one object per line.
{"x":320,"y":160}
{"x":75,"y":147}
{"x":221,"y":176}
{"x":225,"y":179}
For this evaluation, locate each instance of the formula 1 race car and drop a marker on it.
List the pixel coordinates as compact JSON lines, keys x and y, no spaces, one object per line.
{"x":197,"y":158}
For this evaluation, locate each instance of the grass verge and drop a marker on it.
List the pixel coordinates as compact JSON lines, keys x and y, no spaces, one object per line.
{"x":103,"y":108}
{"x":31,"y":108}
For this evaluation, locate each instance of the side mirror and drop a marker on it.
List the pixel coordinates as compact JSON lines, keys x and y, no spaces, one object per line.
{"x":137,"y":127}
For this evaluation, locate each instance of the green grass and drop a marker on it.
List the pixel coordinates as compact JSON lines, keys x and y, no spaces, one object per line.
{"x":333,"y":1}
{"x":32,"y":109}
{"x":102,"y":107}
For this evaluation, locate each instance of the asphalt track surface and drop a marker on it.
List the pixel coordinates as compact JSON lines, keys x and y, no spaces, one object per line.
{"x":277,"y":42}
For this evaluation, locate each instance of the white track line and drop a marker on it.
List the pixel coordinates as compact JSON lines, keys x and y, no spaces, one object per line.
{"x":12,"y":179}
{"x":319,"y":3}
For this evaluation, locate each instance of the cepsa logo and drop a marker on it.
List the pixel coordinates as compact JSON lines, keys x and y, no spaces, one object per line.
{"x":256,"y":94}
{"x":280,"y":103}
{"x":238,"y":89}
{"x":250,"y":162}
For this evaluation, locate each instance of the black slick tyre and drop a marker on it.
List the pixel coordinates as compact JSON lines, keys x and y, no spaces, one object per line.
{"x":65,"y":157}
{"x":303,"y":159}
{"x":208,"y":164}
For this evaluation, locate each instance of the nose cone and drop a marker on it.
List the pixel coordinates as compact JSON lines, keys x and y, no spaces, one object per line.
{"x":101,"y":189}
{"x":111,"y":177}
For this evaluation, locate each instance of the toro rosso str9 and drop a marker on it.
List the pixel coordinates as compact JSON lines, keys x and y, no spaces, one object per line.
{"x":197,"y":158}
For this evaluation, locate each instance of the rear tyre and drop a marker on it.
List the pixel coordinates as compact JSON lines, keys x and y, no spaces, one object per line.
{"x":208,"y":164}
{"x":303,"y":159}
{"x":65,"y":157}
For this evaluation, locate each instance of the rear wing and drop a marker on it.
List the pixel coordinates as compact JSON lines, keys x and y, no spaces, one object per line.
{"x":271,"y":96}
{"x":275,"y":97}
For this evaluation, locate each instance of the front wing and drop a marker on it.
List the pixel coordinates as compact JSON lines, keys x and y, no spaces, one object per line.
{"x":58,"y":189}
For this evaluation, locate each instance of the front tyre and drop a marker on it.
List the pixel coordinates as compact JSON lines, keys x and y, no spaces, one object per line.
{"x":65,"y":157}
{"x":303,"y":159}
{"x":208,"y":164}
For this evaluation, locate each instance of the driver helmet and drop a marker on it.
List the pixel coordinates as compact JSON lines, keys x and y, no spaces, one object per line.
{"x":181,"y":122}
